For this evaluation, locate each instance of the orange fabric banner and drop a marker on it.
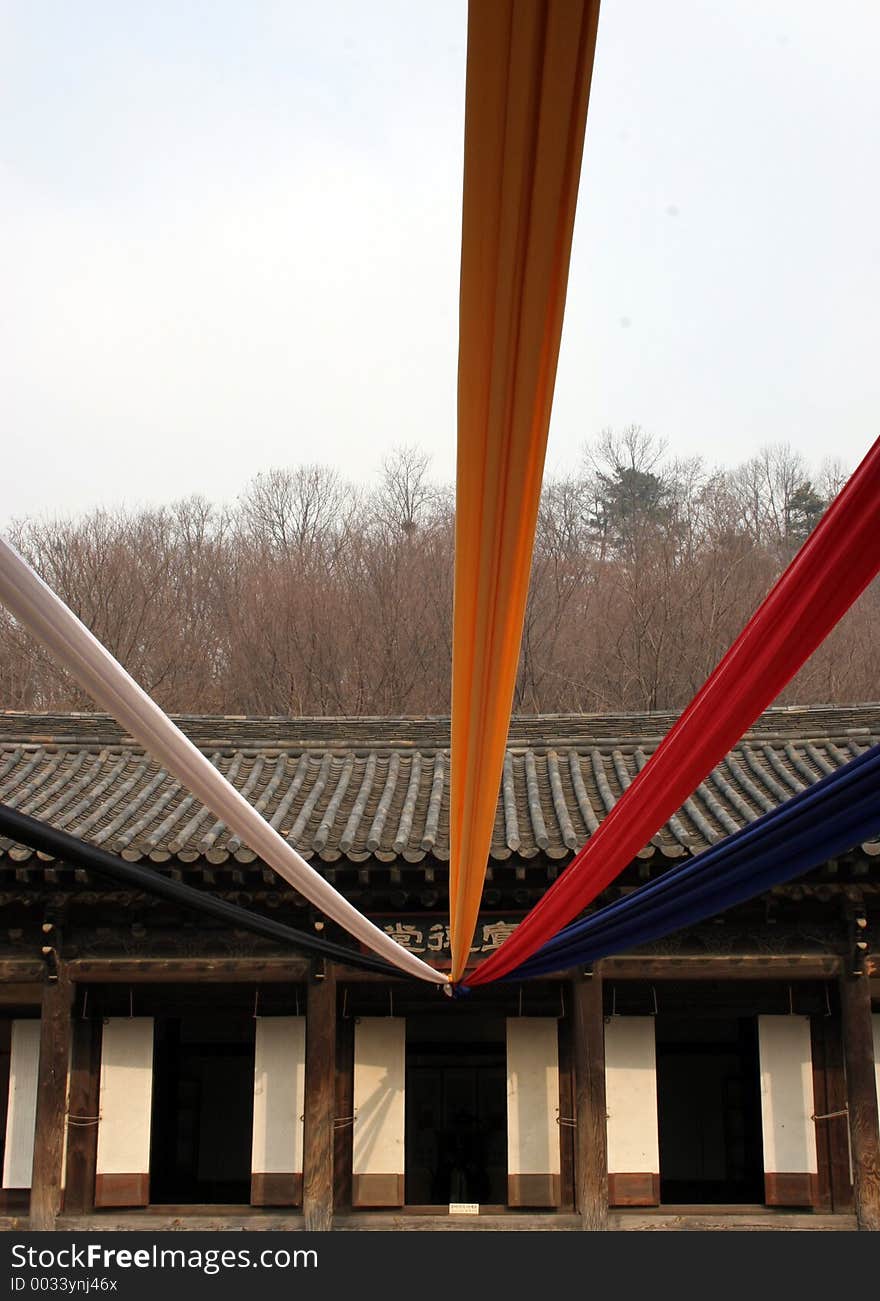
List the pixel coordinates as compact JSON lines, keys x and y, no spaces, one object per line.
{"x":529,"y":64}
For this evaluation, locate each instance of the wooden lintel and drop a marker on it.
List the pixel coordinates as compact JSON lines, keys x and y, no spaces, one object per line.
{"x":746,"y":966}
{"x":20,"y":993}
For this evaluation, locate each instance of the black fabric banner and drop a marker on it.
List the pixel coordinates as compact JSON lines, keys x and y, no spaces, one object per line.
{"x":49,"y":840}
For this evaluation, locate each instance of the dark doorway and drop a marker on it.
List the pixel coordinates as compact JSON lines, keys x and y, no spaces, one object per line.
{"x":203,"y":1101}
{"x":456,"y":1114}
{"x":709,"y":1103}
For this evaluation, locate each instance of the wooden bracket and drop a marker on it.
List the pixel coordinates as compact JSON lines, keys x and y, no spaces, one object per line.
{"x":857,"y":945}
{"x":50,"y":950}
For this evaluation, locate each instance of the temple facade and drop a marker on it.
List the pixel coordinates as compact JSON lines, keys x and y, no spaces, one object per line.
{"x":158,"y":1069}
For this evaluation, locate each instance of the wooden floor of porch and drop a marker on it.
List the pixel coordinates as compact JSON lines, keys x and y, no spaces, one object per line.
{"x":748,"y":1219}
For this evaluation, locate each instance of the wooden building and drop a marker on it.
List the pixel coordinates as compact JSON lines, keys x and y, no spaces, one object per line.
{"x":158,"y":1069}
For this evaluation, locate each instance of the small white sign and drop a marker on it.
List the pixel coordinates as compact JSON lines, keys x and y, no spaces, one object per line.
{"x":464,"y":1208}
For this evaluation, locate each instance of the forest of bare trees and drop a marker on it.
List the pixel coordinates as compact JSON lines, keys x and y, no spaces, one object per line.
{"x":309,"y":596}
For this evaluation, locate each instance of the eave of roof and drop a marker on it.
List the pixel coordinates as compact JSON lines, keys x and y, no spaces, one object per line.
{"x":378,"y":789}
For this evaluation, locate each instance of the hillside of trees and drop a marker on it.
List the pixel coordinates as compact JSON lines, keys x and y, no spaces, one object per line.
{"x":311,"y":596}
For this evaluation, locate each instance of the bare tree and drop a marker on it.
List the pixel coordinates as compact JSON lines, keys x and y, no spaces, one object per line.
{"x":296,"y":510}
{"x":308,"y":598}
{"x":407,"y":496}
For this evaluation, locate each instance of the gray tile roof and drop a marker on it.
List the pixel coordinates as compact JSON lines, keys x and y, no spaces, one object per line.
{"x":378,"y":789}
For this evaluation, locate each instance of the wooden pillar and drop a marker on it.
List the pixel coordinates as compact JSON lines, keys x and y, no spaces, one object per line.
{"x":591,"y":1147}
{"x":51,"y":1101}
{"x":320,"y":1102}
{"x":832,"y":1127}
{"x":342,"y":1145}
{"x":82,"y":1131}
{"x":864,"y":1127}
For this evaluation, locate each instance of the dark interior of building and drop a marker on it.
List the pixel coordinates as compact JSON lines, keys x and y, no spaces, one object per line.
{"x":708,"y":1087}
{"x":203,"y":1089}
{"x":456,"y":1112}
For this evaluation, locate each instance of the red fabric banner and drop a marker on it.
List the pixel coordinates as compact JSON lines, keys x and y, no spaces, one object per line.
{"x":835,"y":564}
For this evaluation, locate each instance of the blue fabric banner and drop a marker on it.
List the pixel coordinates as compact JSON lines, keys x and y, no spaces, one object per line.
{"x":829,"y":818}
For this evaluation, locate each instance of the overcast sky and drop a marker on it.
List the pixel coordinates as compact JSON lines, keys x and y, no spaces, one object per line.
{"x":229,"y":237}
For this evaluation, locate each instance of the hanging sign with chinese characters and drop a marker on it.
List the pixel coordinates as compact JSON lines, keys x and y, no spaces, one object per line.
{"x":429,"y":937}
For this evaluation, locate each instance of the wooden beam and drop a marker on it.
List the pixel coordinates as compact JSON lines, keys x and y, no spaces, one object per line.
{"x":82,"y":1130}
{"x":28,"y":974}
{"x":181,"y":970}
{"x":590,"y":1149}
{"x":51,"y":1101}
{"x":864,"y":1125}
{"x":24,"y":971}
{"x":746,"y":966}
{"x":355,"y":976}
{"x":320,"y":1099}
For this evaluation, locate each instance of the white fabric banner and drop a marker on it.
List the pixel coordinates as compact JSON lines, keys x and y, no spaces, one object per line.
{"x":631,"y":1095}
{"x":379,"y":1112}
{"x":279,"y":1095}
{"x":787,"y":1095}
{"x":47,"y":617}
{"x":533,"y":1096}
{"x":21,"y":1111}
{"x":126,"y":1096}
